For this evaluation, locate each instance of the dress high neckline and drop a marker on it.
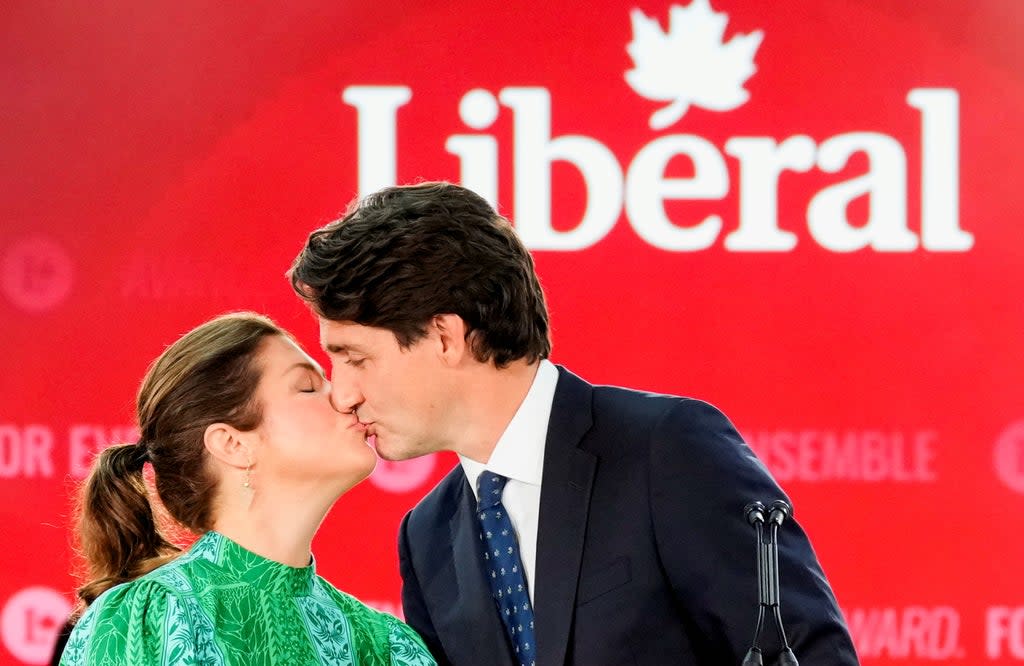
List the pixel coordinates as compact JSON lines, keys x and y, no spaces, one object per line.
{"x":251,"y":568}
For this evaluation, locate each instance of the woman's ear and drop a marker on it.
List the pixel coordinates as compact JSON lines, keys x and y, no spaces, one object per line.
{"x":228,"y":445}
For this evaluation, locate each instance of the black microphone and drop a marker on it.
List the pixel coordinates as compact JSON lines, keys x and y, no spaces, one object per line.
{"x":754,"y":513}
{"x":781,"y":510}
{"x":768,"y":578}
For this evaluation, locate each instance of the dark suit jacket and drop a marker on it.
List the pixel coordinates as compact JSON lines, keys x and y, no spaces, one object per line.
{"x":643,"y":552}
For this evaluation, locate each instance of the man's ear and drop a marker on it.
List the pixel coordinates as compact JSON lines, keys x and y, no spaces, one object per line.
{"x":228,"y":445}
{"x":451,"y":334}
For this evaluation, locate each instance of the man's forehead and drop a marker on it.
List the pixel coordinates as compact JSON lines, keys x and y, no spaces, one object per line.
{"x":345,"y":335}
{"x":336,"y":330}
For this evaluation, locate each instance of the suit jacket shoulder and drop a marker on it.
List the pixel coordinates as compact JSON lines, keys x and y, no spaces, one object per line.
{"x":626,"y":421}
{"x":438,"y":505}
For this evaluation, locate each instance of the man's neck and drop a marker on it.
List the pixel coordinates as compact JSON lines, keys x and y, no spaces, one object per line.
{"x":490,"y":399}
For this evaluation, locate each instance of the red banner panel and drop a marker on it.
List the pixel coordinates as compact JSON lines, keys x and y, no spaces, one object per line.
{"x":806,"y":213}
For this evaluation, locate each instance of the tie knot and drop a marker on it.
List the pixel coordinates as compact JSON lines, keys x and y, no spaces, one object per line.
{"x":489,"y":487}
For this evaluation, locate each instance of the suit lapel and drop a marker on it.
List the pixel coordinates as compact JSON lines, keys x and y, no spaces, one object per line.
{"x":564,"y":505}
{"x":470,"y":629}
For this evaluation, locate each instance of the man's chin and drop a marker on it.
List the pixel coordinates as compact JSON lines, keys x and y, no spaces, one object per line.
{"x":395,"y":456}
{"x":397,"y":450}
{"x":389,"y":453}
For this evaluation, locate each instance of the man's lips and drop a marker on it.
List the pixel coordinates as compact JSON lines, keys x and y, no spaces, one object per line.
{"x":371,"y":433}
{"x":367,"y":430}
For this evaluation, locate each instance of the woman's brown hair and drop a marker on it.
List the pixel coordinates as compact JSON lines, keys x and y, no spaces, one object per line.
{"x":207,"y":376}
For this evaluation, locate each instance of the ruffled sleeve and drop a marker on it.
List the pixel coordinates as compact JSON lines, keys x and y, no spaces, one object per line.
{"x":135,"y":624}
{"x":406,"y":646}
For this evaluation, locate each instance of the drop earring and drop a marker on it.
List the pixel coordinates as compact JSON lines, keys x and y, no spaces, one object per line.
{"x":248,"y":480}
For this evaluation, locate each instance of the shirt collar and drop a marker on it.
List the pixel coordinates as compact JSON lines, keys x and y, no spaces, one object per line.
{"x":519,"y":453}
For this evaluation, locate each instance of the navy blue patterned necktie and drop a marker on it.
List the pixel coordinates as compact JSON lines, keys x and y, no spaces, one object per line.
{"x":505,"y":568}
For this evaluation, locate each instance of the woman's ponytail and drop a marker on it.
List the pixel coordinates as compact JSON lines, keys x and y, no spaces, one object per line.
{"x":118,"y":531}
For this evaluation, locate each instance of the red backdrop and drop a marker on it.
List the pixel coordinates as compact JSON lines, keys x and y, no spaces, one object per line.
{"x":821,"y":236}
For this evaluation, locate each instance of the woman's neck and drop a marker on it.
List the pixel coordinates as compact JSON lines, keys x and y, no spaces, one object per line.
{"x":278,"y":526}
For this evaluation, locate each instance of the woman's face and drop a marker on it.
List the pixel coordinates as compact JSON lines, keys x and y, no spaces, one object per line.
{"x":303,"y":440}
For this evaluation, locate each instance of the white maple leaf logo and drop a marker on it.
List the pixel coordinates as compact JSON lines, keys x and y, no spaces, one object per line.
{"x":690,"y":64}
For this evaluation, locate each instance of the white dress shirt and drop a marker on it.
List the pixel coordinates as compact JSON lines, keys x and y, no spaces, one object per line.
{"x":519,"y":456}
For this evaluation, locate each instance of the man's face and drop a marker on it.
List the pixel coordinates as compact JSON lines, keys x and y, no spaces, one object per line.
{"x":397,"y":393}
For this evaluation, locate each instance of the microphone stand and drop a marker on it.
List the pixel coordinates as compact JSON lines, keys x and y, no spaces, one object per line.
{"x":768,"y":579}
{"x":780,"y":511}
{"x":754,"y":513}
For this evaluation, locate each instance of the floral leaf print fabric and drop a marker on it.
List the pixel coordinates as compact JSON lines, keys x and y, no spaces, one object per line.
{"x":222,"y":604}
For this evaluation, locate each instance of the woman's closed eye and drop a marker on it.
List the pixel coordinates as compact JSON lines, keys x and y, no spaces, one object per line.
{"x":311,"y":383}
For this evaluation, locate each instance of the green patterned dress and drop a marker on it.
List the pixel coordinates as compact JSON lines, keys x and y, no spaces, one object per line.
{"x":222,"y":604}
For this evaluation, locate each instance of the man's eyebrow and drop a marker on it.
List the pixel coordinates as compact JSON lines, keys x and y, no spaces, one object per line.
{"x":307,"y":366}
{"x":332,"y":348}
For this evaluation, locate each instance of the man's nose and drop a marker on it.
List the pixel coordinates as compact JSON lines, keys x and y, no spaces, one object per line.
{"x":345,"y":396}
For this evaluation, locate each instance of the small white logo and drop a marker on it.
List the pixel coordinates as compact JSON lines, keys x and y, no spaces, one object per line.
{"x":690,"y":64}
{"x":404,"y":476}
{"x":30,"y":621}
{"x":1009,"y":457}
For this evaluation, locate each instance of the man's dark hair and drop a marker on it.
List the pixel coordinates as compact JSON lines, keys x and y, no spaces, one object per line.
{"x":404,"y":254}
